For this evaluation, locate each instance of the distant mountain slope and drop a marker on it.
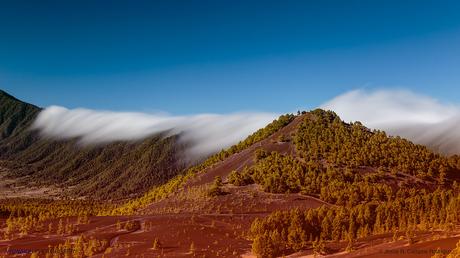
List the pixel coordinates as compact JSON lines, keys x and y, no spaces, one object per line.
{"x":113,"y":171}
{"x":15,"y":118}
{"x":14,"y":115}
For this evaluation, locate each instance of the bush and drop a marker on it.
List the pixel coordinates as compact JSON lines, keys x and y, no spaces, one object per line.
{"x":241,"y":178}
{"x":216,"y":188}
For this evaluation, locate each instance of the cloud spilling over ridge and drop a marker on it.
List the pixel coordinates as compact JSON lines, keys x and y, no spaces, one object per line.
{"x":418,"y":118}
{"x":205,"y":133}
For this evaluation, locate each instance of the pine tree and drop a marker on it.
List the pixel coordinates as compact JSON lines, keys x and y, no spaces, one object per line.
{"x":50,"y":227}
{"x":60,"y":229}
{"x":156,"y":244}
{"x":318,"y":247}
{"x":192,"y":248}
{"x":216,"y":187}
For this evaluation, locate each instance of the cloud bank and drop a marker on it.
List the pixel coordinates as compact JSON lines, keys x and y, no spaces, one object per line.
{"x":421,"y":119}
{"x":418,"y":118}
{"x":205,"y":133}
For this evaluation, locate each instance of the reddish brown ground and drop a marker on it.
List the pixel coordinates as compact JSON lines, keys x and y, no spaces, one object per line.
{"x":216,"y":235}
{"x":425,"y":245}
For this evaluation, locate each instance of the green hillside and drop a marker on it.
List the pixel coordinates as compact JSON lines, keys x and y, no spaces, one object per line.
{"x":373,"y":183}
{"x":113,"y":171}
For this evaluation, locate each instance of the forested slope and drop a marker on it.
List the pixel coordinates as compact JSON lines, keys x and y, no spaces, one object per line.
{"x":113,"y":171}
{"x":15,"y":118}
{"x":375,"y":184}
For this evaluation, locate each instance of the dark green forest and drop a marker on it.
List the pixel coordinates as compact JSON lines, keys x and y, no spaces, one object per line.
{"x":116,"y":171}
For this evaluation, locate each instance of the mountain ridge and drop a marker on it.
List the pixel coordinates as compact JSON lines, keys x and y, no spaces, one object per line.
{"x":131,"y":168}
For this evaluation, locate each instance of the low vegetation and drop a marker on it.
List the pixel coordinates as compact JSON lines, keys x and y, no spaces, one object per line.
{"x":28,"y":215}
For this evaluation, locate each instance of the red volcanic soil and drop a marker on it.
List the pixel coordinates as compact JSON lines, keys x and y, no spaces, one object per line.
{"x":216,"y":235}
{"x":236,"y":200}
{"x":427,"y":244}
{"x":178,"y":235}
{"x":244,"y":158}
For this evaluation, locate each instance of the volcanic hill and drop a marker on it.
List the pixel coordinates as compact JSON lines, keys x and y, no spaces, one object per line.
{"x":305,"y":185}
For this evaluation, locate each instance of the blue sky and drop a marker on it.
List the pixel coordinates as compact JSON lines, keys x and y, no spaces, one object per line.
{"x":186,"y":57}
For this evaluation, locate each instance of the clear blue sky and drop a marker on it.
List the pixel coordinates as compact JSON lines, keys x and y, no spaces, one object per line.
{"x":221,"y":56}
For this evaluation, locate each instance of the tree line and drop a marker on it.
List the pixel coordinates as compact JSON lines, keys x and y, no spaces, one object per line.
{"x":284,"y":232}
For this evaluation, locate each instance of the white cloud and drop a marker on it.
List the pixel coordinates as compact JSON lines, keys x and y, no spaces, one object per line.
{"x":205,"y":133}
{"x":418,"y":118}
